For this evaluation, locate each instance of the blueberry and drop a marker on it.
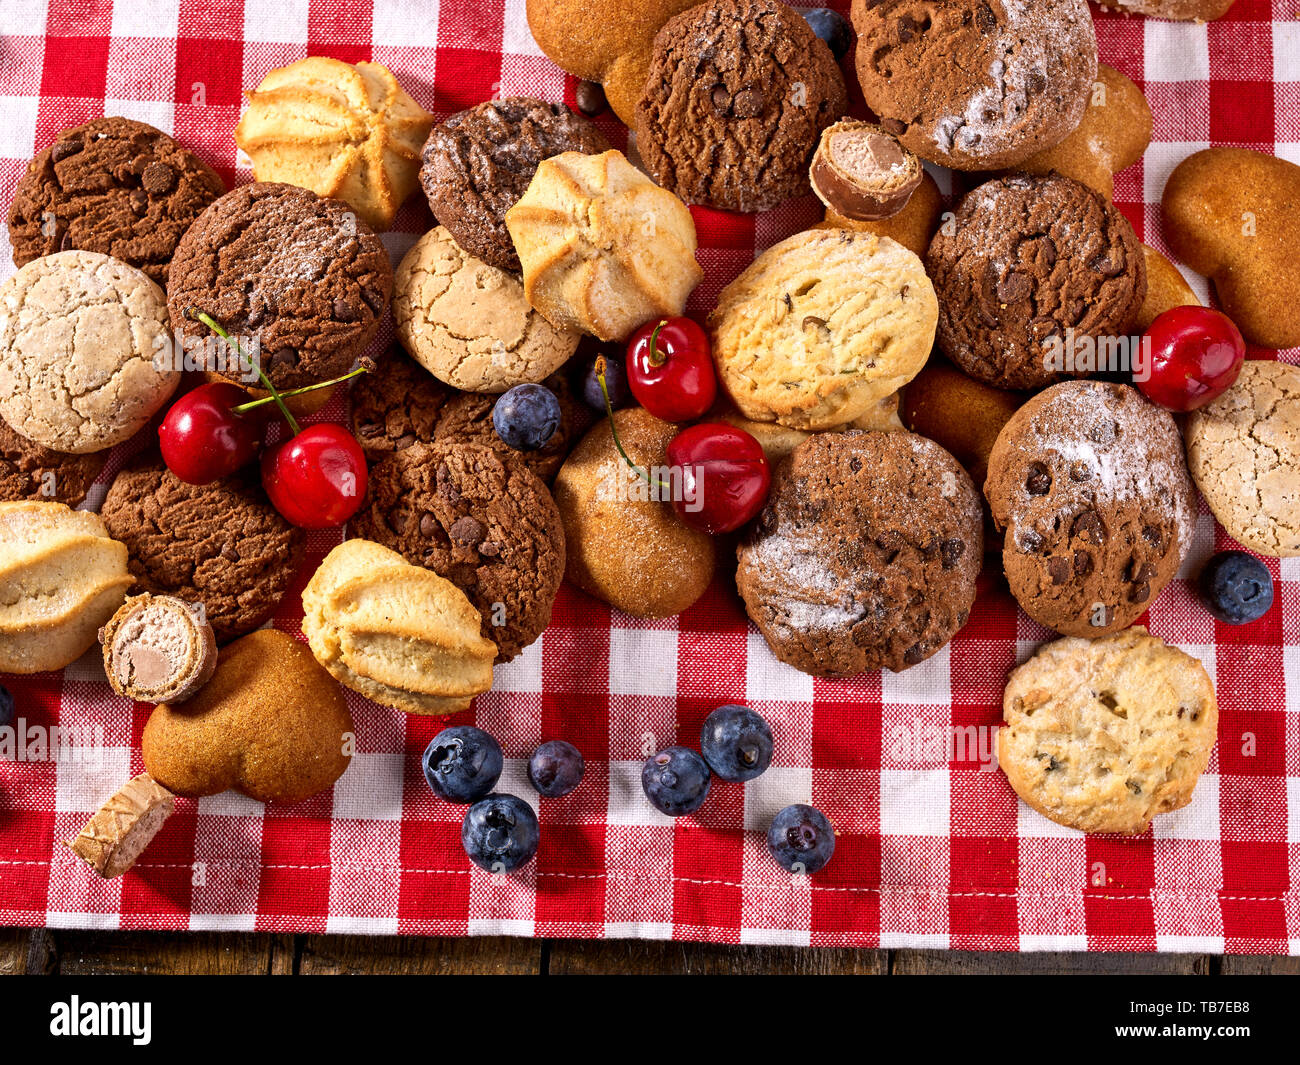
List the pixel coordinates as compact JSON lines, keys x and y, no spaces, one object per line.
{"x":831,"y":27}
{"x":463,"y":763}
{"x":736,"y":743}
{"x":615,"y":382}
{"x":500,"y":833}
{"x":556,"y":768}
{"x":526,"y":417}
{"x":676,"y":781}
{"x":1236,"y":587}
{"x":6,"y":707}
{"x":801,"y":839}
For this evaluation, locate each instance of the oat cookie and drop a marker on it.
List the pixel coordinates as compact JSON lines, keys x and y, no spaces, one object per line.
{"x":469,"y":324}
{"x":822,"y":327}
{"x":1244,"y":453}
{"x":866,"y":554}
{"x":114,"y":186}
{"x":1089,"y":483}
{"x":1102,"y":735}
{"x":80,"y":334}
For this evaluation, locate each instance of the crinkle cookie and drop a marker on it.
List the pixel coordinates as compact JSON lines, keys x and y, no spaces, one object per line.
{"x":469,"y":324}
{"x":1244,"y":453}
{"x":976,"y":84}
{"x":822,"y":327}
{"x":866,"y":554}
{"x":1102,"y":735}
{"x":1089,"y":483}
{"x":84,"y":351}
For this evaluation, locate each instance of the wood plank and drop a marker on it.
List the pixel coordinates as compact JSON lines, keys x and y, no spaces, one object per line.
{"x":167,"y":953}
{"x":1258,"y":965}
{"x":973,"y":963}
{"x":13,"y":950}
{"x":620,"y":957}
{"x":425,"y":955}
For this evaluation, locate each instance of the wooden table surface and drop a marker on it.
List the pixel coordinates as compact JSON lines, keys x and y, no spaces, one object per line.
{"x":46,"y":951}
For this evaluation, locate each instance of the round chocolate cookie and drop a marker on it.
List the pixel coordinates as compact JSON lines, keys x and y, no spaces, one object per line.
{"x":114,"y":186}
{"x":479,"y":162}
{"x":976,"y":84}
{"x":221,"y":545}
{"x":738,"y":95}
{"x":1089,"y":483}
{"x":29,"y":470}
{"x":401,"y":404}
{"x":866,"y":554}
{"x":300,"y":277}
{"x":1038,"y":278}
{"x":484,"y":523}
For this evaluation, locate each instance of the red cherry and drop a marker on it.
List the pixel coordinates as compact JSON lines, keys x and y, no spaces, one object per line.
{"x":724,"y":477}
{"x":202,"y":439}
{"x":1195,"y":355}
{"x":670,"y":369}
{"x":316,"y":479}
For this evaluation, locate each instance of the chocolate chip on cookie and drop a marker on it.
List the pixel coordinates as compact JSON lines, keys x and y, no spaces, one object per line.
{"x":221,"y":545}
{"x":1036,"y":276}
{"x":29,"y":470}
{"x":302,"y":277}
{"x":1088,"y":481}
{"x":738,"y":95}
{"x":479,"y":162}
{"x":866,"y":554}
{"x":478,"y":519}
{"x":114,"y":186}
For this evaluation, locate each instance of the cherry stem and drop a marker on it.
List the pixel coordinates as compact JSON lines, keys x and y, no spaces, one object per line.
{"x":243,"y":408}
{"x":211,"y":323}
{"x":599,"y":367}
{"x":657,"y":357}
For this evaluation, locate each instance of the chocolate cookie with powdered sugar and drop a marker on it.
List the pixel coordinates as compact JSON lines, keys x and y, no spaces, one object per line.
{"x":866,"y":554}
{"x":976,"y":84}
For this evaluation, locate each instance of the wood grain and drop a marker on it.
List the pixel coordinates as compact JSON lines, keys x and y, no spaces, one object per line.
{"x":171,"y":953}
{"x":974,"y":963}
{"x":626,"y":957}
{"x":422,"y":955}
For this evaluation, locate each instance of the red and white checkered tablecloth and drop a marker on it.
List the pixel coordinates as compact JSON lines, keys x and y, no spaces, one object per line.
{"x":933,"y":850}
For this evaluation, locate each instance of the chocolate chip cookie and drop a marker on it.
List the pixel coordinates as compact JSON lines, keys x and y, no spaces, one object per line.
{"x":29,"y":470}
{"x":401,"y":404}
{"x":738,"y":95}
{"x":479,"y":162}
{"x":478,"y":519}
{"x":114,"y":186}
{"x":866,"y":554}
{"x":1037,"y":278}
{"x":300,"y":278}
{"x":976,"y":84}
{"x":221,"y":545}
{"x":1089,"y":482}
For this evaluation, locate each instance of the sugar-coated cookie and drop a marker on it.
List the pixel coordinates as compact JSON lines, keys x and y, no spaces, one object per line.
{"x":1233,"y":214}
{"x":737,"y":96}
{"x":344,"y":131}
{"x":976,"y":85}
{"x":1102,"y":735}
{"x":469,"y":324}
{"x":1244,"y":453}
{"x":479,"y":162}
{"x":1089,"y":482}
{"x":271,"y":723}
{"x":84,"y":351}
{"x":823,"y":326}
{"x":112,"y":841}
{"x":866,"y":554}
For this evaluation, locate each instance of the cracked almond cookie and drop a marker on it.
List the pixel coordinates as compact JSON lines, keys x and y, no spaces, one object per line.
{"x":481,"y":520}
{"x":1089,"y":483}
{"x":1244,"y":452}
{"x":866,"y":554}
{"x":84,"y":351}
{"x":114,"y":186}
{"x":976,"y":84}
{"x":1033,"y":273}
{"x":469,"y":324}
{"x":1102,"y":735}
